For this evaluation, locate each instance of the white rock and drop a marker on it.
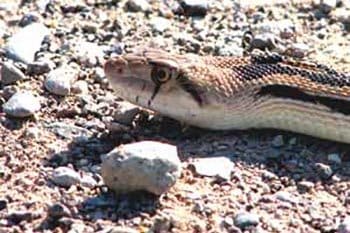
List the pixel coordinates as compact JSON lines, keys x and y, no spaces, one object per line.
{"x":299,"y":50}
{"x":22,"y":104}
{"x":80,"y":87}
{"x":216,"y":166}
{"x":26,"y":42}
{"x":147,"y":165}
{"x":342,"y":15}
{"x":160,"y":24}
{"x":60,"y":80}
{"x":88,"y":54}
{"x":65,"y":177}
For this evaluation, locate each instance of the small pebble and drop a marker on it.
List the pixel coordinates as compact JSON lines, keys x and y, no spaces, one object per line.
{"x":305,"y":185}
{"x":125,"y":112}
{"x":58,"y":210}
{"x":195,"y":7}
{"x":324,"y":171}
{"x":278,"y":141}
{"x":65,"y":177}
{"x":265,"y":41}
{"x":39,"y":67}
{"x":59,"y":81}
{"x":138,"y":5}
{"x":245,"y":219}
{"x":286,"y":197}
{"x":80,"y":87}
{"x":216,"y":166}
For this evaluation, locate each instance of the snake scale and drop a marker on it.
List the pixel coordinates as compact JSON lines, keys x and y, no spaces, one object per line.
{"x":222,"y":93}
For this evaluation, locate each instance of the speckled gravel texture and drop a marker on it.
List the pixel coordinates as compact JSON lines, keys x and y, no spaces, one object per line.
{"x":281,"y":182}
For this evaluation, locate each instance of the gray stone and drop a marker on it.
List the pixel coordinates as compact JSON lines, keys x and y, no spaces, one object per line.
{"x":305,"y":185}
{"x":60,"y":80}
{"x":138,"y":5}
{"x":324,"y":171}
{"x":147,"y":165}
{"x":58,"y":210}
{"x":26,"y":42}
{"x":245,"y":219}
{"x":286,"y":197}
{"x":278,"y":141}
{"x":217,"y":166}
{"x":10,"y":73}
{"x":125,"y":112}
{"x":68,"y":131}
{"x":269,"y":175}
{"x":344,"y":226}
{"x":65,"y":177}
{"x":29,"y":18}
{"x":334,"y":158}
{"x":22,"y":104}
{"x":195,"y":7}
{"x":39,"y":67}
{"x":264,"y":41}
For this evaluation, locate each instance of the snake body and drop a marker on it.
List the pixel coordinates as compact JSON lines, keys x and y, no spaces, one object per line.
{"x":221,"y":93}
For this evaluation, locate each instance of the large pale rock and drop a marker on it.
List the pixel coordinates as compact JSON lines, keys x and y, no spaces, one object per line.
{"x":149,"y":166}
{"x":22,"y":104}
{"x":26,"y":42}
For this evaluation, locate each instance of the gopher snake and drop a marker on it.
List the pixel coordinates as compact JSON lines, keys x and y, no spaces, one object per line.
{"x":256,"y":91}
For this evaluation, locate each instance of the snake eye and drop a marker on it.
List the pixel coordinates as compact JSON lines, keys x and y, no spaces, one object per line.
{"x":160,"y":75}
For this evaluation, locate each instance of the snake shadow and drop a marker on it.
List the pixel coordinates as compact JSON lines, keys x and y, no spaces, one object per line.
{"x":286,"y":154}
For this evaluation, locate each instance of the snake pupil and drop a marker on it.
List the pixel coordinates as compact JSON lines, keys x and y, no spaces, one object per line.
{"x":159,"y":75}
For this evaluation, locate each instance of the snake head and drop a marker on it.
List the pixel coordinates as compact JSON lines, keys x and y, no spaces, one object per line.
{"x":154,"y":79}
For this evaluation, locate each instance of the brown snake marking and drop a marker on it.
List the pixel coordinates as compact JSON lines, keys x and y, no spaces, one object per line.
{"x":257,"y":91}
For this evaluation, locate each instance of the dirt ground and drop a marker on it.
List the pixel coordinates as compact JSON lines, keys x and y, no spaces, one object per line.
{"x":291,"y":182}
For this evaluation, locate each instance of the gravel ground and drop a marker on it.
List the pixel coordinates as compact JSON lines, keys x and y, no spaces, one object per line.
{"x":65,"y":117}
